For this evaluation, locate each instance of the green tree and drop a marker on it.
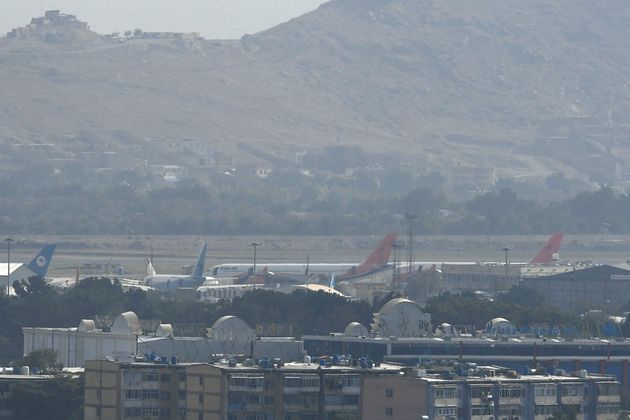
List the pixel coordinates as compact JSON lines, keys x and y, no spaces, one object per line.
{"x":45,"y":360}
{"x":60,"y":398}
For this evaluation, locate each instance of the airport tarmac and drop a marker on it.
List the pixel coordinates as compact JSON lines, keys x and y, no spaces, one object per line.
{"x":171,"y":253}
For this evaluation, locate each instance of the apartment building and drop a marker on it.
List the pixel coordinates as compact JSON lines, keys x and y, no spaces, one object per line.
{"x":269,"y":390}
{"x":115,"y":390}
{"x":489,"y":392}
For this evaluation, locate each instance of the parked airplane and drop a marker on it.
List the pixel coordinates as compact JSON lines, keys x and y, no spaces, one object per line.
{"x":546,"y":255}
{"x":549,"y":252}
{"x":378,"y":258}
{"x":38,"y":266}
{"x":166,"y":282}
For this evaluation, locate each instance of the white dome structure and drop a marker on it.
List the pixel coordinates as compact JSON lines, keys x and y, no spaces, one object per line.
{"x":500,"y":327}
{"x":231,"y":328}
{"x":356,"y":329}
{"x":446,"y":330}
{"x":401,"y":318}
{"x":87,"y":325}
{"x":127,"y":323}
{"x":164,"y":330}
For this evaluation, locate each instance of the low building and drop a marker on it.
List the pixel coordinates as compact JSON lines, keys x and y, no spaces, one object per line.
{"x":86,"y":342}
{"x":500,"y":343}
{"x":598,"y":287}
{"x":484,"y":277}
{"x":125,"y":341}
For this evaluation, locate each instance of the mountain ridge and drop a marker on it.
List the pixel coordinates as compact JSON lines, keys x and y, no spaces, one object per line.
{"x":436,"y":82}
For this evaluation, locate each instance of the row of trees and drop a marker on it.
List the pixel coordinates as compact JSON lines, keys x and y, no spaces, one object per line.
{"x":294,"y":204}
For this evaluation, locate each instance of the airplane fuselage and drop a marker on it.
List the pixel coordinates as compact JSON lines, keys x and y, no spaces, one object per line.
{"x":170,"y":282}
{"x":289,"y":269}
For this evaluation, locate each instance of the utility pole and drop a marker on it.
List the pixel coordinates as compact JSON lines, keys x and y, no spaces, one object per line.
{"x":254,"y":245}
{"x":506,"y":250}
{"x":410,"y":217}
{"x":9,"y":241}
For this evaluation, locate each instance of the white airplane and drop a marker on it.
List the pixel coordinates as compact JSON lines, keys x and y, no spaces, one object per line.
{"x":378,"y":258}
{"x":171,"y":282}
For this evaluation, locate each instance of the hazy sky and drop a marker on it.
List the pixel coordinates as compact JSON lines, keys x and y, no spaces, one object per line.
{"x":212,"y":18}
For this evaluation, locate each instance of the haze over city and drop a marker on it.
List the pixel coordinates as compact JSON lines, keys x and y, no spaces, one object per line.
{"x":357,"y":210}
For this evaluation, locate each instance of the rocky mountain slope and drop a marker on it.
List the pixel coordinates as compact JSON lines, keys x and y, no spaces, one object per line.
{"x":486,"y":82}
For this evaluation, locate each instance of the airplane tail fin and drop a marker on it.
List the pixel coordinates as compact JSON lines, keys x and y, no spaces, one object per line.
{"x":150,"y":269}
{"x":39,"y":264}
{"x":546,"y":254}
{"x":378,"y":258}
{"x":201,"y":259}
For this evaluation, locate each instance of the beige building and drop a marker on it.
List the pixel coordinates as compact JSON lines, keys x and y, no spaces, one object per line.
{"x":267,"y":391}
{"x":147,"y":390}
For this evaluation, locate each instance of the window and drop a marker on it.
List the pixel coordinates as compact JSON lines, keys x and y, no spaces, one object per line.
{"x":349,"y":399}
{"x":446,"y":411}
{"x":481,"y":410}
{"x":389,"y":411}
{"x":608,"y":389}
{"x":150,"y":411}
{"x":443,"y":393}
{"x":310,"y":382}
{"x":545,"y":391}
{"x":133,"y":394}
{"x":510,"y":392}
{"x":201,"y":380}
{"x":181,"y":394}
{"x":133,"y":411}
{"x":165,"y":377}
{"x":269,"y":400}
{"x":482,"y":392}
{"x":165,"y":395}
{"x":150,"y":377}
{"x":545,"y":410}
{"x":293,"y":399}
{"x":200,"y":398}
{"x":181,"y":376}
{"x":509,"y":410}
{"x":351,"y":381}
{"x":165,"y":413}
{"x":608,"y":408}
{"x":389,"y":392}
{"x":150,"y":394}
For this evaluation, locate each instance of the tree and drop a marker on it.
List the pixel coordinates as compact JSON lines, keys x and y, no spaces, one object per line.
{"x":45,"y":360}
{"x":60,"y":398}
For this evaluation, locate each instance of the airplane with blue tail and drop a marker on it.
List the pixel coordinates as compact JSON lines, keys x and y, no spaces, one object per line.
{"x":172,"y":282}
